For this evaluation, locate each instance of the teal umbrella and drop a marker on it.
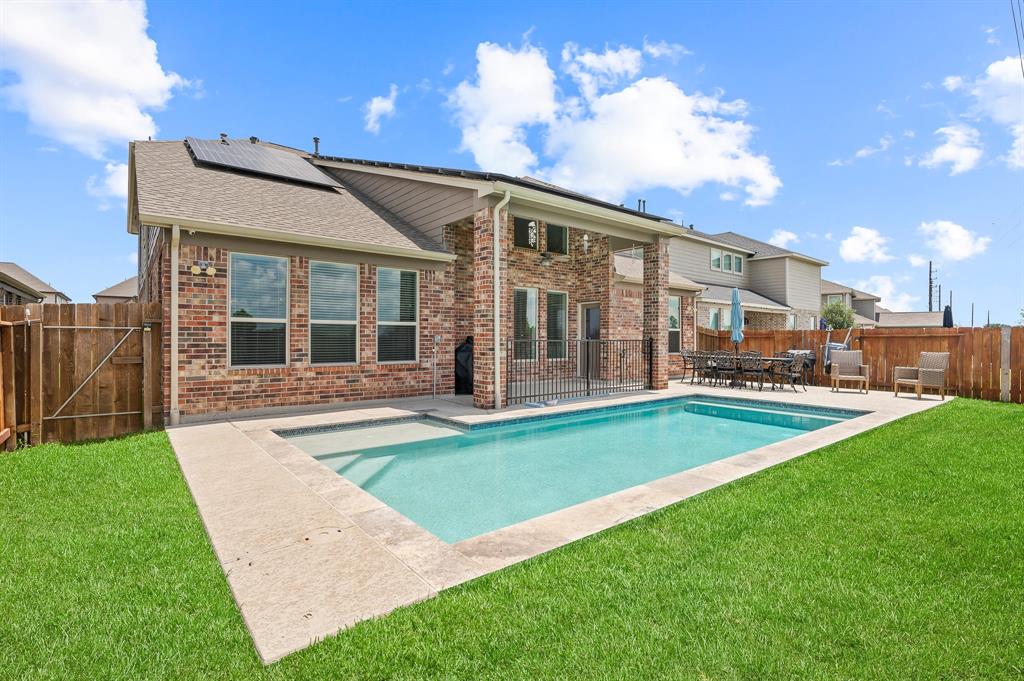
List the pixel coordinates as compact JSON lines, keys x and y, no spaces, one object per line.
{"x":737,"y":329}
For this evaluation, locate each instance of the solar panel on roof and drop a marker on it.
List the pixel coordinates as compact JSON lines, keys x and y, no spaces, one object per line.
{"x":257,"y":158}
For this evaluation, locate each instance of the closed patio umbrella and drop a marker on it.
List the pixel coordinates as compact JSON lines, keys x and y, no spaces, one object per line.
{"x":737,"y":329}
{"x":947,"y":317}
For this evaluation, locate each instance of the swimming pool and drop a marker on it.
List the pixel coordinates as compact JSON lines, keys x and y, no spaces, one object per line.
{"x":459,"y":482}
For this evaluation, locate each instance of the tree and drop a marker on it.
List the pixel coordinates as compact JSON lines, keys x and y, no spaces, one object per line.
{"x":837,"y":315}
{"x":1022,"y":316}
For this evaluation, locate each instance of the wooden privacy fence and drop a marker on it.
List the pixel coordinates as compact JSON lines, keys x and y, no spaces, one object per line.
{"x":80,"y":372}
{"x":986,"y":363}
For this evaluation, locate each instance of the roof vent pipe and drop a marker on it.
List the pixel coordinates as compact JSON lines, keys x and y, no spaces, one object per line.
{"x":223,"y":138}
{"x":254,"y":139}
{"x":316,"y":146}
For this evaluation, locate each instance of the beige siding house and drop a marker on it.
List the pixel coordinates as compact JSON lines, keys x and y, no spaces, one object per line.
{"x":865,"y":305}
{"x":26,"y":281}
{"x":126,"y":291}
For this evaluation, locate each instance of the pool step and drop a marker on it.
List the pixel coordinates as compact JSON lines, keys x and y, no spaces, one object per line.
{"x":362,"y":469}
{"x":763,"y":415}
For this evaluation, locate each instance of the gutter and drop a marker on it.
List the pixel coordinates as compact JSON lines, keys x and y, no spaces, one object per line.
{"x":496,"y":269}
{"x":175,"y":244}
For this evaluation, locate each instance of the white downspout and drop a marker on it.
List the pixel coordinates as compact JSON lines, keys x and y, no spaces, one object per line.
{"x":497,"y":297}
{"x":175,"y":242}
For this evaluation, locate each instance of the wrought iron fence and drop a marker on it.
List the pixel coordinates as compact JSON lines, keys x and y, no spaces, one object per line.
{"x":542,"y":370}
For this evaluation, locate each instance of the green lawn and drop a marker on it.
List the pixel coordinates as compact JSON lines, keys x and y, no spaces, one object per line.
{"x":895,"y":554}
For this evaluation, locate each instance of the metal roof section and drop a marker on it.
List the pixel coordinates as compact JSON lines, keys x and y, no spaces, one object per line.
{"x":255,"y":157}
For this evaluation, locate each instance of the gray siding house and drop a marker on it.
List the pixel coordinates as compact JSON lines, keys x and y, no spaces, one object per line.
{"x":865,"y":305}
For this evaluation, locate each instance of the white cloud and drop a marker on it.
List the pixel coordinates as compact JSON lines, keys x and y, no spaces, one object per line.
{"x":953,"y":241}
{"x":615,"y":138}
{"x":728,"y":196}
{"x":953,"y":83}
{"x":594,"y":72}
{"x":885,"y":288}
{"x":514,"y":89}
{"x":990,"y":35}
{"x":782,"y":238}
{"x":113,"y":185}
{"x":909,"y":134}
{"x":917,"y":260}
{"x":999,"y":94}
{"x":961,"y":149}
{"x":88,"y":73}
{"x":380,"y":107}
{"x":883,"y":108}
{"x":133,"y":257}
{"x":671,"y":51}
{"x":864,"y":245}
{"x":884,"y":143}
{"x":448,"y":68}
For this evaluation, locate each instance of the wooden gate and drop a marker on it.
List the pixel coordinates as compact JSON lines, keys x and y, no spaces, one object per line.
{"x":83,"y":371}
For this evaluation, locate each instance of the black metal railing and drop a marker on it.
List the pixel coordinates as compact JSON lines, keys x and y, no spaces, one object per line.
{"x":542,"y":370}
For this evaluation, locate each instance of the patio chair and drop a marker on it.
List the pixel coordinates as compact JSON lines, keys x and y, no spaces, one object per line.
{"x":930,"y":372}
{"x":753,"y":368}
{"x":847,"y":367}
{"x":726,"y":366}
{"x":791,"y":371}
{"x":701,"y":367}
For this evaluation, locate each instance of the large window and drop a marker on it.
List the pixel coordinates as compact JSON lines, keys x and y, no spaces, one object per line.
{"x":737,"y":263}
{"x":397,"y":315}
{"x":524,"y":323}
{"x":834,"y":299}
{"x":791,"y":322}
{"x":333,"y":313}
{"x":724,"y":261}
{"x":674,"y":323}
{"x":525,"y":233}
{"x":258,"y":308}
{"x":716,"y":259}
{"x":714,"y":319}
{"x":558,"y":239}
{"x":558,"y":326}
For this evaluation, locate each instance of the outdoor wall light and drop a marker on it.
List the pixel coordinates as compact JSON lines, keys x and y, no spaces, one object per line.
{"x":586,"y":242}
{"x":545,"y":258}
{"x":203,"y":267}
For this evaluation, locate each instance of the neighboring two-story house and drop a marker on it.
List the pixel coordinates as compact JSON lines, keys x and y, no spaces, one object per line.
{"x":23,"y":284}
{"x":864,"y":305}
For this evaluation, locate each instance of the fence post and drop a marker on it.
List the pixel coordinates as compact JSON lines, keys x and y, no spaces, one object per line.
{"x":35,"y":326}
{"x":147,"y":370}
{"x":1004,"y":364}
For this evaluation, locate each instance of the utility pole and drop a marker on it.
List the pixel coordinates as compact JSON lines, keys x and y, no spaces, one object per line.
{"x":938,"y":303}
{"x":972,"y":315}
{"x":930,"y":282}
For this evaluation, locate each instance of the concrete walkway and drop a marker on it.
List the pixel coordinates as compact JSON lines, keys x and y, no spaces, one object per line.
{"x":307,"y":553}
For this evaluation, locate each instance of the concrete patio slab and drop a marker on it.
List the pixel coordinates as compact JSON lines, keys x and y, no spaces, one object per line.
{"x":308,"y":553}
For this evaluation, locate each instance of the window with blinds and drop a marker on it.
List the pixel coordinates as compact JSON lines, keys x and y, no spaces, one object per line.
{"x":673,"y":323}
{"x":558,"y":239}
{"x":333,"y":313}
{"x":397,"y":315}
{"x":258,"y":305}
{"x":558,"y":325}
{"x":524,"y":323}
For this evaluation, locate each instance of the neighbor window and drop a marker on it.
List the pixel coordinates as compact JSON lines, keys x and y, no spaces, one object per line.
{"x":525,"y":233}
{"x":558,"y":239}
{"x":714,"y":321}
{"x":727,"y":262}
{"x":673,"y":323}
{"x":333,"y":313}
{"x":524,"y":323}
{"x":725,"y":318}
{"x":716,"y":259}
{"x":258,"y":309}
{"x":397,"y":315}
{"x":737,"y":264}
{"x":558,"y":326}
{"x":791,"y":322}
{"x":834,"y":299}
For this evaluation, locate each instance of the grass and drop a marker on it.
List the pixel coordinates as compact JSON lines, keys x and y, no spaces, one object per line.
{"x":894,"y":554}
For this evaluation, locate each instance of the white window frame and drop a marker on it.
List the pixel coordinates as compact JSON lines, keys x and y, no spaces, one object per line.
{"x":715,"y":318}
{"x":711,"y":259}
{"x":378,"y":323}
{"x":536,"y":322}
{"x":722,"y":317}
{"x":679,"y":321}
{"x":312,"y":321}
{"x":833,"y":297}
{"x":737,"y":263}
{"x":264,"y":320}
{"x":565,"y":310}
{"x":791,"y":321}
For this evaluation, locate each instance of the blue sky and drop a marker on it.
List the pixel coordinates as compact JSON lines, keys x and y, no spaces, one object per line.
{"x":874,"y":136}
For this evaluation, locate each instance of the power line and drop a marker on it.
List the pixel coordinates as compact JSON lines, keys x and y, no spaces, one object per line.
{"x":1018,"y":28}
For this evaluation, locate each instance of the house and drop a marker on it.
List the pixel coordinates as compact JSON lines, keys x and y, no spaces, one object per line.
{"x":126,"y":291}
{"x":27,"y":282}
{"x":889,"y":319}
{"x":16,"y":292}
{"x":864,"y":305}
{"x":290,"y":279}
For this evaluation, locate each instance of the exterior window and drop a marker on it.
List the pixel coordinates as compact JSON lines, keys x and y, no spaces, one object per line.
{"x":558,"y":239}
{"x":558,"y":326}
{"x":814,"y":322}
{"x":525,"y":233}
{"x":716,"y":259}
{"x":258,"y":310}
{"x":737,"y":264}
{"x":725,"y":316}
{"x":727,"y":262}
{"x":673,"y":323}
{"x":834,"y":299}
{"x":791,"y":322}
{"x":333,"y":312}
{"x":714,"y":321}
{"x":397,"y":315}
{"x":524,"y":318}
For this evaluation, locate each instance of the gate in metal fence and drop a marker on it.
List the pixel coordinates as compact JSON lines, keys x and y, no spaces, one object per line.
{"x":542,"y":370}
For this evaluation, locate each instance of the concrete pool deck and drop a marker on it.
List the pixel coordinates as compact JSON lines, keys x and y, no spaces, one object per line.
{"x":308,"y":553}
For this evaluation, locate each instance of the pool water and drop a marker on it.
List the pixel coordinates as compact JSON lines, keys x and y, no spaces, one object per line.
{"x":460,"y":483}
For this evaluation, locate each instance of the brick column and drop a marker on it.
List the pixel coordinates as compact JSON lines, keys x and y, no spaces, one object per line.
{"x":656,"y":308}
{"x":483,"y":304}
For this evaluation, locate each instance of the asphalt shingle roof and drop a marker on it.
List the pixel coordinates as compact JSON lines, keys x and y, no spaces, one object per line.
{"x":124,"y":289}
{"x":723,"y":294}
{"x":171,"y":183}
{"x":632,"y":269}
{"x":16,"y":271}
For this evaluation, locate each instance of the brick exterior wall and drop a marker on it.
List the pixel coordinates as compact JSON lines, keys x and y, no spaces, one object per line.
{"x":656,"y":309}
{"x":628,"y":320}
{"x":754,"y":320}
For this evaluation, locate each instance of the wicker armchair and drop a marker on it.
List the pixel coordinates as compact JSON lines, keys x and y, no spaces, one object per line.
{"x":930,"y":372}
{"x":847,"y":366}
